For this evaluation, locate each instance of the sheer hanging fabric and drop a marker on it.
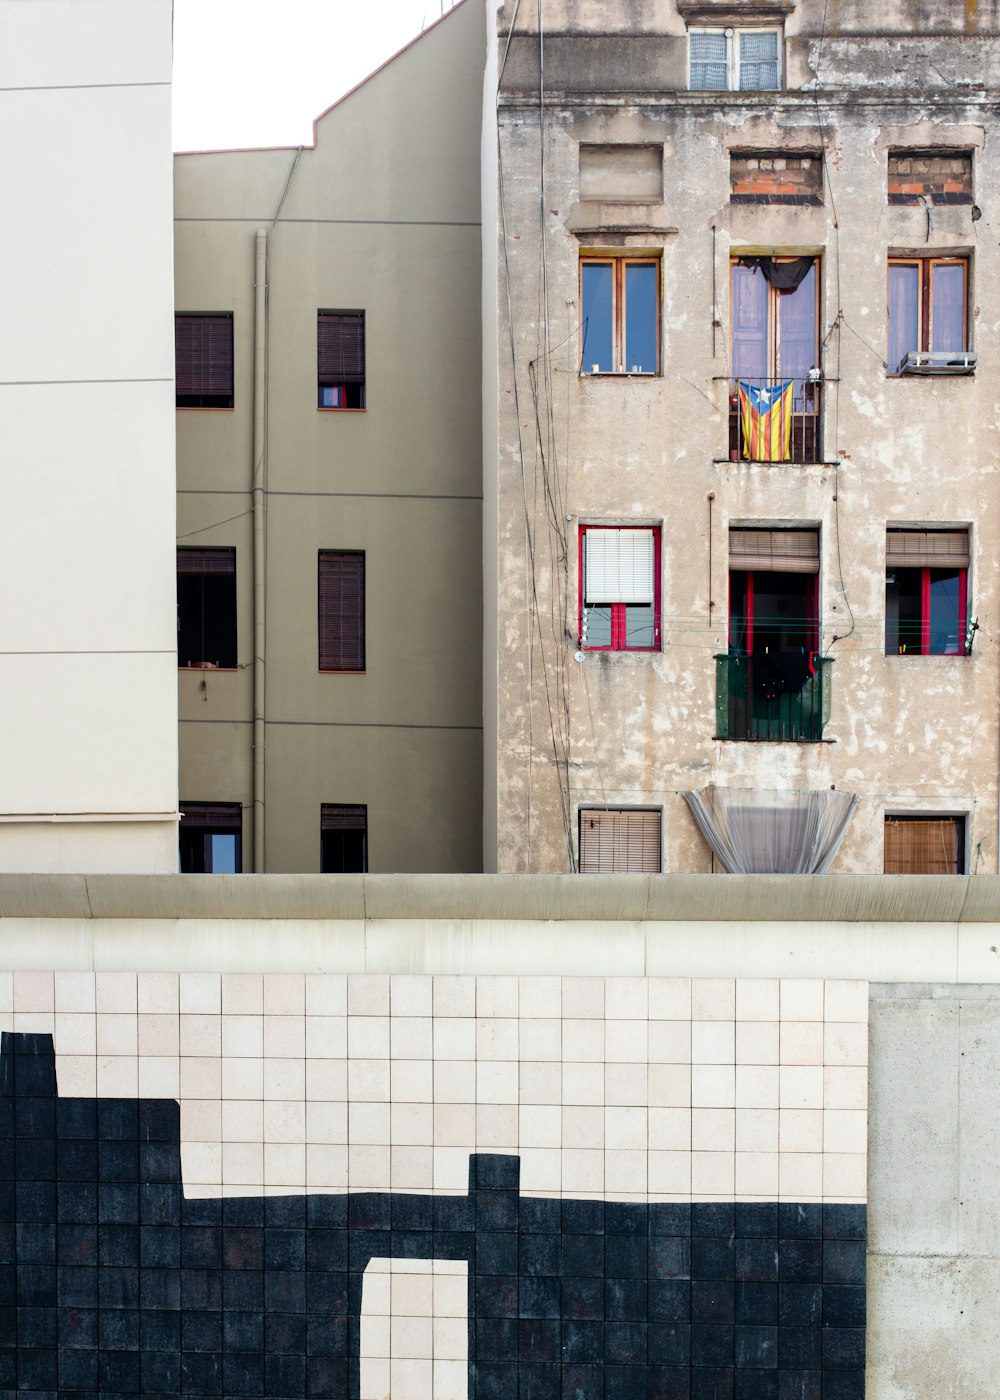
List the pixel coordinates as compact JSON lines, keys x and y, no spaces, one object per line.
{"x":754,"y":831}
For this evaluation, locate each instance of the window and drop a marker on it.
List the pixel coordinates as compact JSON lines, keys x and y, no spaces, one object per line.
{"x":341,"y":610}
{"x":343,"y":839}
{"x":775,"y":396}
{"x":620,"y":333}
{"x":928,"y":309}
{"x":925,"y":845}
{"x":926,"y":592}
{"x":623,"y":840}
{"x":735,"y":59}
{"x":211,"y":838}
{"x":340,"y":358}
{"x":203,"y":348}
{"x":206,"y":608}
{"x":619,"y":588}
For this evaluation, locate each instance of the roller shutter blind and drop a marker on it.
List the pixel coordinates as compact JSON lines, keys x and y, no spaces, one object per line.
{"x":204,"y":354}
{"x":206,"y":561}
{"x":775,"y":551}
{"x":927,"y":549}
{"x":336,"y":817}
{"x":218,"y":816}
{"x":340,"y":349}
{"x":619,"y":842}
{"x":924,"y":846}
{"x":341,"y":610}
{"x":618,"y":566}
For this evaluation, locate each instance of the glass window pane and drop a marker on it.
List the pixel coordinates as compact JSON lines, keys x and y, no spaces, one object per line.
{"x":640,"y":318}
{"x":904,"y":312}
{"x":947,"y":306}
{"x":709,"y":62}
{"x":946,"y":621}
{"x":598,"y":319}
{"x":640,"y":625}
{"x":222,"y":853}
{"x":597,"y":627}
{"x":798,"y":342}
{"x":749,"y":323}
{"x":902,"y":611}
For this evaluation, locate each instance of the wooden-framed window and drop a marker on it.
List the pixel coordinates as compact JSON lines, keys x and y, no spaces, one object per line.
{"x":928,"y":307}
{"x":926,"y":592}
{"x":619,"y":587}
{"x":918,"y":845}
{"x":206,"y":608}
{"x":211,"y":838}
{"x":735,"y":59}
{"x":343,"y":839}
{"x":620,"y":326}
{"x":203,"y":350}
{"x":340,"y":359}
{"x":341,"y":610}
{"x":620,"y":840}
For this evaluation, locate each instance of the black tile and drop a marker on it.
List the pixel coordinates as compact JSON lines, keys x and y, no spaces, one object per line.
{"x":541,"y":1297}
{"x":624,"y":1218}
{"x":757,"y":1303}
{"x":583,"y":1217}
{"x":713,"y":1258}
{"x":201,"y":1247}
{"x":160,"y":1331}
{"x":326,"y":1375}
{"x":202,"y":1288}
{"x":801,"y":1385}
{"x":800,"y":1348}
{"x":118,"y":1288}
{"x":497,"y":1296}
{"x":326,"y":1249}
{"x":540,"y":1255}
{"x":668,"y":1383}
{"x":35,"y":1201}
{"x":583,"y":1256}
{"x":670,"y":1301}
{"x":496,"y":1339}
{"x":76,"y":1203}
{"x":495,"y":1381}
{"x":757,"y":1347}
{"x":159,"y":1121}
{"x":625,"y":1256}
{"x":201,"y":1373}
{"x":76,"y":1161}
{"x":800,"y":1304}
{"x":756,"y":1385}
{"x":712,"y":1345}
{"x":539,"y":1217}
{"x":670,"y":1218}
{"x":76,"y":1287}
{"x":538,"y":1381}
{"x":583,"y":1342}
{"x":496,"y":1253}
{"x":118,"y":1118}
{"x":117,"y":1161}
{"x":411,"y":1212}
{"x":119,"y":1370}
{"x":118,"y":1203}
{"x":756,"y":1260}
{"x":800,"y":1221}
{"x":756,"y":1219}
{"x":843,"y":1305}
{"x":844,"y":1261}
{"x":712,"y":1301}
{"x":37,"y":1285}
{"x":496,"y":1210}
{"x":160,"y":1246}
{"x":622,"y":1382}
{"x":844,"y":1222}
{"x":713,"y":1383}
{"x":77,"y":1370}
{"x":76,"y":1118}
{"x":248,"y":1211}
{"x":243,"y":1331}
{"x":119,"y":1329}
{"x":584,"y":1382}
{"x":325,"y":1293}
{"x":36,"y":1244}
{"x":36,"y":1327}
{"x":626,"y":1300}
{"x":800,"y":1261}
{"x":625,"y":1342}
{"x":843,"y":1348}
{"x":201,"y":1331}
{"x":160,"y":1288}
{"x":670,"y":1343}
{"x":538,"y":1339}
{"x":201,"y":1211}
{"x":710,"y":1220}
{"x":285,"y":1333}
{"x":844,"y":1385}
{"x":669,"y":1257}
{"x":494,"y":1171}
{"x":326,"y":1335}
{"x":243,"y":1373}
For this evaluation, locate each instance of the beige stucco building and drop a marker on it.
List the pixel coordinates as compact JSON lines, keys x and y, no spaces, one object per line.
{"x":365,"y":753}
{"x":802,"y":616}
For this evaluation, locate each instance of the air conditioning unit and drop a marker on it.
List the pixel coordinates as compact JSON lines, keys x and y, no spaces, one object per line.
{"x":937,"y":362}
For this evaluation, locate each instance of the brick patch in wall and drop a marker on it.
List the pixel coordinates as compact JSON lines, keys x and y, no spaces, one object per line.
{"x":942,"y":177}
{"x":776,"y":177}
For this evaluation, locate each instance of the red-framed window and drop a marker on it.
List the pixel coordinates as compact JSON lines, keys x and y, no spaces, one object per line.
{"x":619,"y":587}
{"x":774,"y":595}
{"x":926,"y":592}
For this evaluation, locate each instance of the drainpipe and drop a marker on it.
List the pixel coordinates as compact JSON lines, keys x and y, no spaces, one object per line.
{"x":257,"y":506}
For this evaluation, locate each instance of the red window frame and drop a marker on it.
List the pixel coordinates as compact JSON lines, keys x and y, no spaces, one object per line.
{"x":925,"y":614}
{"x":619,"y":628}
{"x":811,"y":621}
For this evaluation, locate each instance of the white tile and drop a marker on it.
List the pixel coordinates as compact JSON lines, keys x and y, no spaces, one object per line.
{"x":243,"y":1078}
{"x":625,"y":1171}
{"x":159,"y":1077}
{"x":285,"y":1079}
{"x":454,"y":996}
{"x":539,"y":998}
{"x":541,"y":1171}
{"x":326,"y":994}
{"x":327,"y":1123}
{"x":411,"y":1337}
{"x":669,"y":1129}
{"x":201,"y":1120}
{"x":284,"y":1120}
{"x":845,"y":1174}
{"x":242,"y":994}
{"x":76,"y":1033}
{"x":670,"y":998}
{"x":713,"y":1086}
{"x":75,"y":992}
{"x":496,"y":1082}
{"x":412,"y":1125}
{"x":583,"y":1083}
{"x":756,"y":1130}
{"x":757,"y":1086}
{"x":326,"y":1080}
{"x":411,"y":1038}
{"x":496,"y":996}
{"x":412,"y":1081}
{"x":34,"y":992}
{"x":410,"y":1379}
{"x":583,"y":998}
{"x":756,"y":1174}
{"x":285,"y":1165}
{"x":800,"y":1176}
{"x":801,"y":1042}
{"x":200,"y":993}
{"x":241,"y":1035}
{"x":800,"y":1086}
{"x":713,"y":1042}
{"x":243,"y":1163}
{"x":7,"y":993}
{"x":626,"y":1129}
{"x":411,"y":1168}
{"x":626,"y":1042}
{"x":117,"y":1034}
{"x":713,"y":999}
{"x":670,"y":1042}
{"x":368,"y":1124}
{"x":845,"y":1086}
{"x":451,"y":1337}
{"x":846,"y":1000}
{"x":411,"y":995}
{"x":582,"y":1040}
{"x":367,"y":1036}
{"x":540,"y":1083}
{"x":582,"y":1127}
{"x":451,"y":1168}
{"x":326,"y":1037}
{"x":846,"y":1043}
{"x":670,"y":1086}
{"x":326,"y":1166}
{"x":669,"y":1172}
{"x":158,"y":1034}
{"x":200,"y":1035}
{"x":626,"y":998}
{"x":368,"y":1168}
{"x":454,"y":1081}
{"x":116,"y":992}
{"x":496,"y":1038}
{"x":158,"y":993}
{"x":496,"y":1127}
{"x":801,"y":1130}
{"x":802,"y":999}
{"x":201,"y":1163}
{"x":539,"y":1125}
{"x":713,"y":1173}
{"x":455,"y":1125}
{"x":368,"y":1079}
{"x":626,"y":1085}
{"x":583,"y":1170}
{"x":845,"y":1130}
{"x":713,"y":1130}
{"x":284,"y":994}
{"x":540,"y":1039}
{"x":242,"y":1121}
{"x":757,"y":999}
{"x":757,"y":1042}
{"x":76,"y":1076}
{"x":34,"y":1022}
{"x":451,"y":1378}
{"x":285,"y":1036}
{"x":454,"y":1038}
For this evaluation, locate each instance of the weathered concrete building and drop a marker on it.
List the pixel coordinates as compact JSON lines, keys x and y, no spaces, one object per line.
{"x":742,"y":501}
{"x":329,"y":482}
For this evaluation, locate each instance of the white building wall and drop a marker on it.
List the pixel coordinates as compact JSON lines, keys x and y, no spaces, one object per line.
{"x":87,"y":626}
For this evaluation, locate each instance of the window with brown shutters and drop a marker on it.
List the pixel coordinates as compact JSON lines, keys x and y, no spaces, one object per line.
{"x":203,"y":344}
{"x":620,"y":840}
{"x":341,"y":610}
{"x":924,"y":845}
{"x":206,"y":608}
{"x":343,"y":839}
{"x":340,"y":359}
{"x":211,"y":838}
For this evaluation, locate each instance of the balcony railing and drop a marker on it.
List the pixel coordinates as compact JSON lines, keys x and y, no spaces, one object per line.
{"x":787,"y":427}
{"x":773,"y":696}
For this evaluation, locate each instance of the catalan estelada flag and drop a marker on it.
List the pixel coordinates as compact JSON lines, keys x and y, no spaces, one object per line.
{"x":766,"y":419}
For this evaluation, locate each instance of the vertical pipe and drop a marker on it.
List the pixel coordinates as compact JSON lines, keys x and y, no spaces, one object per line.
{"x":257,"y":506}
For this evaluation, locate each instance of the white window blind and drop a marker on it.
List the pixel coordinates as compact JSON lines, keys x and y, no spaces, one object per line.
{"x":618,"y":566}
{"x":619,"y":842}
{"x":758,"y":62}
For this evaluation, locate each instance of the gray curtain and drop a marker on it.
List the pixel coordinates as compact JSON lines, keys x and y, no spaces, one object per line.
{"x":754,"y":831}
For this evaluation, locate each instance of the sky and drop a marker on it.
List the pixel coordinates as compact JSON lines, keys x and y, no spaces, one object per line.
{"x":258,"y":72}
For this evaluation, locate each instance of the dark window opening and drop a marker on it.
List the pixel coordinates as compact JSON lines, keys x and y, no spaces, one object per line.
{"x":926,"y":592}
{"x":340,"y":358}
{"x":211,"y":838}
{"x":341,"y":610}
{"x":206,"y":608}
{"x":343,"y":839}
{"x":925,"y":845}
{"x":203,"y":345}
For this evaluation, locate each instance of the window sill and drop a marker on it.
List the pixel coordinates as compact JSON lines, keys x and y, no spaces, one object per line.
{"x":929,"y":655}
{"x":620,"y":651}
{"x":771,"y":462}
{"x":321,"y":409}
{"x":327,"y":671}
{"x":621,"y":374}
{"x":735,"y":739}
{"x":204,"y":408}
{"x":208,"y":666}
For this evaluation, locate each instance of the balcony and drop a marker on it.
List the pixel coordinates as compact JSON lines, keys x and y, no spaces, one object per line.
{"x":772,"y":697}
{"x":786,"y":428}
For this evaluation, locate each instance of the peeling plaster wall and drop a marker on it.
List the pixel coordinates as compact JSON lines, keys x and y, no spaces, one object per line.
{"x":908,"y":735}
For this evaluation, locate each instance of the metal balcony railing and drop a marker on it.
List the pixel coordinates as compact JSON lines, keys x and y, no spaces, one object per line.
{"x":787,"y":427}
{"x":773,"y":696}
